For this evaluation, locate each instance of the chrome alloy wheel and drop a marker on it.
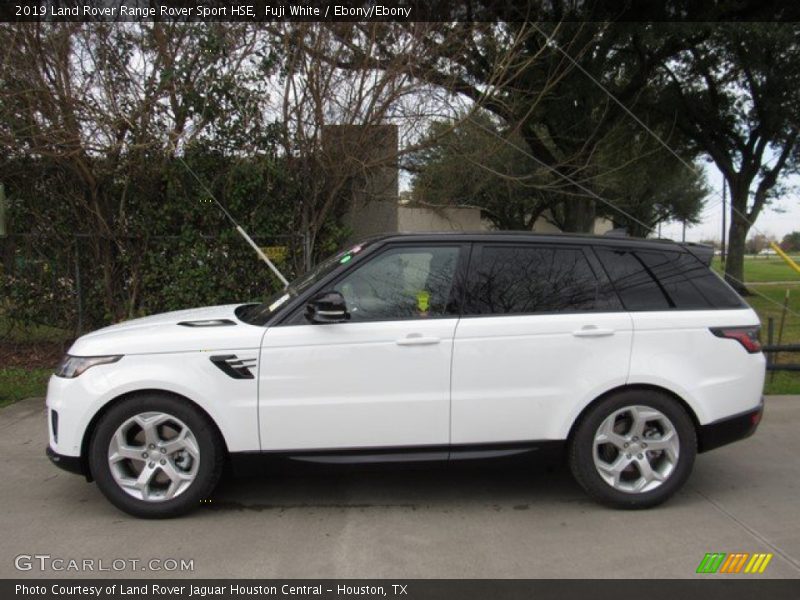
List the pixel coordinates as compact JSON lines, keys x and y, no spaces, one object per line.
{"x":636,"y":449}
{"x":153,"y":456}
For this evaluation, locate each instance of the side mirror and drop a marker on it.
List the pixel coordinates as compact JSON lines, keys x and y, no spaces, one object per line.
{"x":327,"y":307}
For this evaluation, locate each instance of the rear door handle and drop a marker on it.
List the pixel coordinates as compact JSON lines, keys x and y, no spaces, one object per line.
{"x":417,"y":339}
{"x":593,"y":331}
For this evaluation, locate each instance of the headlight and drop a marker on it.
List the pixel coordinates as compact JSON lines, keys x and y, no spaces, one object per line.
{"x":72,"y":366}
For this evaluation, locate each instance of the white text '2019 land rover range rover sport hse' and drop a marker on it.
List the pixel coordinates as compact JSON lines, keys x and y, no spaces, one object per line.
{"x":630,"y":354}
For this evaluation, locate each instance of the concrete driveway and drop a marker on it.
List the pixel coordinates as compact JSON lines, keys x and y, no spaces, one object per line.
{"x":473,"y":522}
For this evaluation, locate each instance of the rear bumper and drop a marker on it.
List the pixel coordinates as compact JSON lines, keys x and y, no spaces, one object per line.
{"x":73,"y":464}
{"x":730,"y":429}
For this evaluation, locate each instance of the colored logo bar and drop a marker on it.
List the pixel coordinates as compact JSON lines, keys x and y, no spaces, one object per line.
{"x":736,"y":562}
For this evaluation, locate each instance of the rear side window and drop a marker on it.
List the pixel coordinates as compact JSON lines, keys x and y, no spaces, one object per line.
{"x":532,"y":279}
{"x":659,"y":280}
{"x":637,"y":288}
{"x":673,"y":271}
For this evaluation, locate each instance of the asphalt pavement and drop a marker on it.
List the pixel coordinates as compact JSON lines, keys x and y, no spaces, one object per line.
{"x":466,"y":522}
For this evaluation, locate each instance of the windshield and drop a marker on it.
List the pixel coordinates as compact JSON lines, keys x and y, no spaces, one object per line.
{"x":259,"y":314}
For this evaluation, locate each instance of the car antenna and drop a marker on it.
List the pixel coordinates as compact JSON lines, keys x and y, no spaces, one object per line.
{"x":238,"y":227}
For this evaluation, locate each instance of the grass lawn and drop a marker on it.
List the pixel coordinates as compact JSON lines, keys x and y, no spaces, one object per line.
{"x":758,"y":269}
{"x":18,"y":383}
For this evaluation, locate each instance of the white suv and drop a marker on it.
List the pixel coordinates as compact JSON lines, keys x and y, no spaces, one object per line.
{"x":629,"y":354}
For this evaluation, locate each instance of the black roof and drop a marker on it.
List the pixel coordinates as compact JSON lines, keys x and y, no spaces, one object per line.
{"x":702,"y":252}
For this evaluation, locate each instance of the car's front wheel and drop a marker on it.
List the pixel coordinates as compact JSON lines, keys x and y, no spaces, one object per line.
{"x":155,"y":456}
{"x":634,"y":449}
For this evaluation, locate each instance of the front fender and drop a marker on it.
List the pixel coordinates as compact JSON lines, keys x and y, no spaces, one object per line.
{"x":231,"y":403}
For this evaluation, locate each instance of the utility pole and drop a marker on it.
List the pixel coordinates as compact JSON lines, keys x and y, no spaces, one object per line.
{"x":724,"y":219}
{"x":683,"y":234}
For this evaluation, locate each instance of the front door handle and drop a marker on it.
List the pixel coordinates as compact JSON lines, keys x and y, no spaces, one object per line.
{"x":593,"y":331}
{"x":417,"y":339}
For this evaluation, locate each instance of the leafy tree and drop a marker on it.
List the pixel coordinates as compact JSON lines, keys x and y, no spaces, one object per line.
{"x":791,"y":242}
{"x":467,"y":165}
{"x":755,"y":244}
{"x":644,"y":180}
{"x":472,"y":163}
{"x":735,"y":93}
{"x":179,"y":250}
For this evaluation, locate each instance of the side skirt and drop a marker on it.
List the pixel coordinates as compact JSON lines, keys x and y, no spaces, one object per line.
{"x":246,"y":462}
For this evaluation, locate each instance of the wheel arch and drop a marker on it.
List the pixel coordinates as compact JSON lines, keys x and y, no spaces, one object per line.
{"x":90,"y":428}
{"x":631,"y":387}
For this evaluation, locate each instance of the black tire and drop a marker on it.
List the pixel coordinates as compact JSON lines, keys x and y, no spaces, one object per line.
{"x":211,"y":451}
{"x":581,"y":449}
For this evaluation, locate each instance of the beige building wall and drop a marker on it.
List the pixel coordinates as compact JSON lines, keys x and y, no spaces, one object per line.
{"x":419,"y":218}
{"x":542,"y":225}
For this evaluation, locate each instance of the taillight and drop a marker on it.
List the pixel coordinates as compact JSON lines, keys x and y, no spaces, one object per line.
{"x":746,"y":336}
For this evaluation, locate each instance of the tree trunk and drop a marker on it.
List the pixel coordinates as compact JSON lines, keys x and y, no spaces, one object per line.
{"x":737,"y":234}
{"x":579,"y":214}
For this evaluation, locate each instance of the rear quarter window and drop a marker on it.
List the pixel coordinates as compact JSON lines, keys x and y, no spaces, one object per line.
{"x":665,"y":279}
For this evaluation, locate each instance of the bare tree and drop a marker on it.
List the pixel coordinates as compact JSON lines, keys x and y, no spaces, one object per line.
{"x":365,"y":76}
{"x":108,"y":104}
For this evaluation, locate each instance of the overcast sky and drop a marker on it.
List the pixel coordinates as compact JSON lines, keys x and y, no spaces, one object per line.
{"x":769,"y":222}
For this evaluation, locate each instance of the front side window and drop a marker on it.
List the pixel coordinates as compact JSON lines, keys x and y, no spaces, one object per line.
{"x":260,"y":314}
{"x":401,"y":283}
{"x":532,"y":279}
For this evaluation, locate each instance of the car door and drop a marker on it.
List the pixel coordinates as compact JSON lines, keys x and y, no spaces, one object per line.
{"x":540,"y":337}
{"x":380,"y":379}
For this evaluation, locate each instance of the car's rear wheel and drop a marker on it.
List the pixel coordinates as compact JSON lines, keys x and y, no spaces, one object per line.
{"x":155,"y":456}
{"x":634,"y":449}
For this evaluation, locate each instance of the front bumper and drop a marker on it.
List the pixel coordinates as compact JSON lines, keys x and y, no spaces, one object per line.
{"x":730,"y":429}
{"x":73,"y":464}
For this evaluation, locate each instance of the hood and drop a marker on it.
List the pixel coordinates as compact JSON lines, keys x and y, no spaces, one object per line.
{"x":177,"y":331}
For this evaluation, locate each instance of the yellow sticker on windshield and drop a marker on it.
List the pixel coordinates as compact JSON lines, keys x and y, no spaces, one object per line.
{"x":423,"y":301}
